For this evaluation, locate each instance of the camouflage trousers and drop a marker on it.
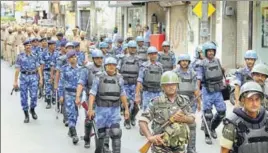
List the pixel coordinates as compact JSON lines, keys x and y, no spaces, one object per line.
{"x":163,"y":149}
{"x":28,"y":83}
{"x":71,"y":108}
{"x":130,"y":92}
{"x":107,"y":116}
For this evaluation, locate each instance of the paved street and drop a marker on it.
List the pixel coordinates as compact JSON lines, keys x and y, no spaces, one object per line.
{"x":48,"y":135}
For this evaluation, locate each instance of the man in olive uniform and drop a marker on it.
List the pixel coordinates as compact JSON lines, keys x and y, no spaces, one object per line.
{"x":245,"y":130}
{"x":20,"y":38}
{"x":168,"y":107}
{"x":260,"y":74}
{"x":84,"y":44}
{"x":3,"y":37}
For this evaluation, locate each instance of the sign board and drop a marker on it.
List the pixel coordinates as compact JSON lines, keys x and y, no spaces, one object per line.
{"x":198,"y":9}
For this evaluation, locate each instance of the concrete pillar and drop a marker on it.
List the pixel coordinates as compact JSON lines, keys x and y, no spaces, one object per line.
{"x":167,"y":23}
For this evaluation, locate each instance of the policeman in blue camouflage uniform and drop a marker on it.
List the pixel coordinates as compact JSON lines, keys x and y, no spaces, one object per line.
{"x":69,"y":77}
{"x":128,"y":67}
{"x":149,"y":78}
{"x":141,"y":49}
{"x":27,"y":64}
{"x":198,"y":58}
{"x":47,"y":62}
{"x":110,"y":50}
{"x":118,"y":49}
{"x":60,"y":39}
{"x":35,"y":47}
{"x":244,"y":74}
{"x":211,"y":73}
{"x":87,"y":74}
{"x":188,"y":86}
{"x":80,"y":55}
{"x":61,"y":62}
{"x":167,"y":58}
{"x":108,"y":90}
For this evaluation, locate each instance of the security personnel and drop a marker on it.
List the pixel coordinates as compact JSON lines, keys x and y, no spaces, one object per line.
{"x":259,"y":74}
{"x":46,"y":61}
{"x":80,"y":55}
{"x":108,"y":90}
{"x":20,"y":38}
{"x":118,"y":49}
{"x":61,"y":63}
{"x":110,"y":50}
{"x":3,"y":37}
{"x":84,"y":43}
{"x":87,"y":74}
{"x":188,"y":86}
{"x":141,"y":49}
{"x":27,"y":64}
{"x":70,"y":75}
{"x":59,"y":39}
{"x":35,"y":47}
{"x":75,"y":35}
{"x":245,"y":130}
{"x":173,"y":137}
{"x":198,"y":57}
{"x":128,"y":67}
{"x":149,"y":79}
{"x":10,"y":47}
{"x":167,"y":58}
{"x":244,"y":74}
{"x":211,"y":73}
{"x":104,"y":48}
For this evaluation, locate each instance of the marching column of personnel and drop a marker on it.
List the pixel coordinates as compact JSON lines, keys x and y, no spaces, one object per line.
{"x":125,"y":77}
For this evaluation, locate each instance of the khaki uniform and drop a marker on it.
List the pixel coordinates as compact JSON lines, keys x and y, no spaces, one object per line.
{"x":10,"y":48}
{"x":20,"y":38}
{"x":3,"y":48}
{"x":76,"y":38}
{"x":84,"y":45}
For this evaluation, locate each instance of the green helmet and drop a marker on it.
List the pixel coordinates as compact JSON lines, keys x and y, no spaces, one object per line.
{"x":251,"y":87}
{"x":169,"y":77}
{"x":260,"y":68}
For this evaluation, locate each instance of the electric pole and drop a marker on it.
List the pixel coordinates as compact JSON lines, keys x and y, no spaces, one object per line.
{"x":204,"y":22}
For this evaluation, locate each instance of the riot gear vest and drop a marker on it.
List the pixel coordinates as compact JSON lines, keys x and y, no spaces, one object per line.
{"x":213,"y":75}
{"x":178,"y":134}
{"x":245,"y":76}
{"x":187,"y":86}
{"x":109,"y":91}
{"x":152,"y":76}
{"x":251,"y":134}
{"x":130,"y":69}
{"x":166,"y":60}
{"x":142,"y":53}
{"x":92,"y":70}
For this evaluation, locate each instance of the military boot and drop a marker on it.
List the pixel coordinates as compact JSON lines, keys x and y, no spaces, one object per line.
{"x":213,"y":134}
{"x":88,"y":129}
{"x":47,"y":99}
{"x":53,"y":100}
{"x":133,"y":114}
{"x":34,"y":116}
{"x":127,"y":124}
{"x":208,"y":140}
{"x":27,"y":119}
{"x":74,"y":135}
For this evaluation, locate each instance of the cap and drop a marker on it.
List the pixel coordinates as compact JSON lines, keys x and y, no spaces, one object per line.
{"x":71,"y":53}
{"x":27,"y":42}
{"x":51,"y":42}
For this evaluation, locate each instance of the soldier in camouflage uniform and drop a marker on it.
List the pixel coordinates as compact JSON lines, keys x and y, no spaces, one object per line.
{"x":245,"y":129}
{"x":260,"y":75}
{"x":172,"y":137}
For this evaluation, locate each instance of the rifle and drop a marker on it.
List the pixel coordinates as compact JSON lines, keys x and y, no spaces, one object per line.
{"x":85,"y":106}
{"x":145,"y":148}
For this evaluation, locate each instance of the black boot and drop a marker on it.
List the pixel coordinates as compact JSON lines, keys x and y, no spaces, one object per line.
{"x":27,"y":119}
{"x":74,"y":135}
{"x":88,"y":129}
{"x":53,"y":100}
{"x":48,"y":105}
{"x":47,"y":100}
{"x":34,"y":116}
{"x":127,"y":124}
{"x":208,"y":140}
{"x":133,"y":114}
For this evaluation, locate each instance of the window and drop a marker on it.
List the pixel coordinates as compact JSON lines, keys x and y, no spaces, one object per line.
{"x":264,"y":31}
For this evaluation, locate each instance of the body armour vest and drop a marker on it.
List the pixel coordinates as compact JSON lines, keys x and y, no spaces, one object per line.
{"x":109,"y":91}
{"x":166,"y":61}
{"x":130,"y":69}
{"x":152,"y":76}
{"x":213,"y":75}
{"x":245,"y":76}
{"x":187,"y":86}
{"x":142,"y":53}
{"x":176,"y":134}
{"x":92,"y":70}
{"x":251,"y":134}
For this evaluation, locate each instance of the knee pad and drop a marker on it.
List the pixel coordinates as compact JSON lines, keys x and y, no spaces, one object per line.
{"x":115,"y":133}
{"x":220,"y":115}
{"x":208,"y":114}
{"x":102,"y":133}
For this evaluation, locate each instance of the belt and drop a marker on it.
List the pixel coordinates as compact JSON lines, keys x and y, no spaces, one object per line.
{"x":47,"y":69}
{"x":28,"y":72}
{"x":70,"y":89}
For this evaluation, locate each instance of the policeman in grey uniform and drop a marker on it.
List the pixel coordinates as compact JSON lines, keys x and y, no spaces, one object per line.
{"x":167,"y":58}
{"x":141,"y":49}
{"x":246,"y":129}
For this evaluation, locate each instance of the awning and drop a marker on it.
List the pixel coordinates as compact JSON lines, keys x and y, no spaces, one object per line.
{"x":125,"y":3}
